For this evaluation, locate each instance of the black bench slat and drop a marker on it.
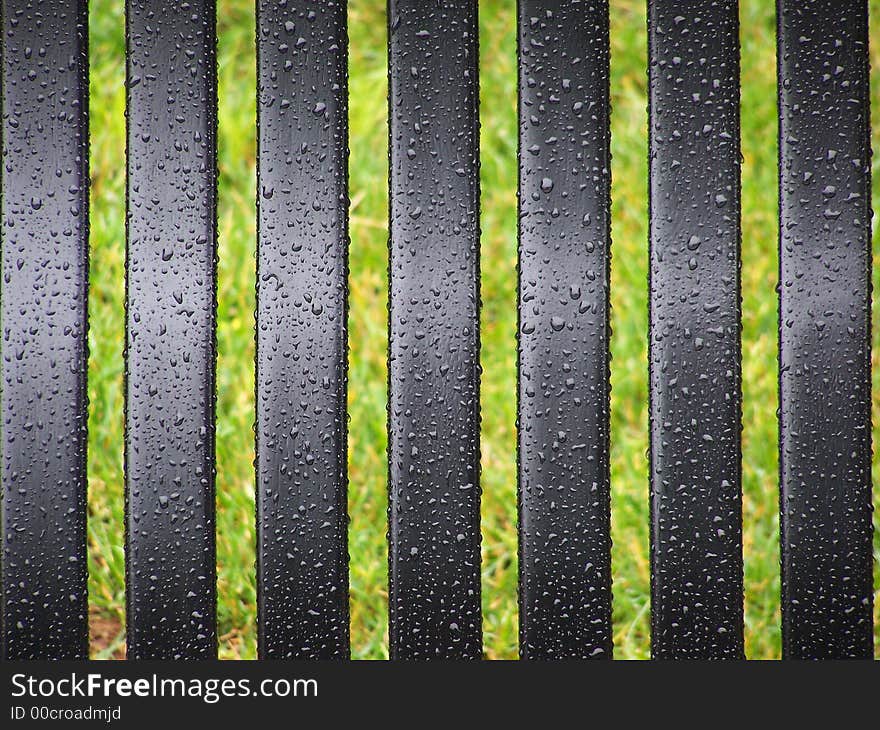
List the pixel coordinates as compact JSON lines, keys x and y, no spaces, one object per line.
{"x":44,"y":322}
{"x":694,"y":351}
{"x":170,"y":329}
{"x":824,"y":329}
{"x":433,"y":411}
{"x":564,"y":253}
{"x":302,"y":290}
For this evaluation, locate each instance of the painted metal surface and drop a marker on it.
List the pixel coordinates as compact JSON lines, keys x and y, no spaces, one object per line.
{"x":694,"y":348}
{"x":824,"y":329}
{"x":170,"y":329}
{"x":43,"y":318}
{"x":564,"y":256}
{"x":433,"y":362}
{"x":302,"y":203}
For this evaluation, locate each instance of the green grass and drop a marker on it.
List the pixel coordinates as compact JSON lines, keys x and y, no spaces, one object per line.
{"x":368,"y":338}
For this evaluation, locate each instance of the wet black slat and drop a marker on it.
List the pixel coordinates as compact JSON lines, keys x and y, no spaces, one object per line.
{"x":170,"y":347}
{"x":433,"y":410}
{"x":43,"y":319}
{"x":301,"y":330}
{"x":564,"y":248}
{"x":824,"y":329}
{"x":696,"y":536}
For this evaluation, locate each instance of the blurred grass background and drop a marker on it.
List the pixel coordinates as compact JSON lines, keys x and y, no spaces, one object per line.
{"x":368,"y":338}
